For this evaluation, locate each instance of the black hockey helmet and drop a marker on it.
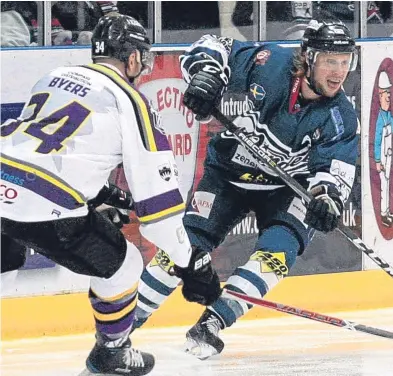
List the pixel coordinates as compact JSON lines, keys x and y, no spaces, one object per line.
{"x":328,"y":36}
{"x":117,"y":36}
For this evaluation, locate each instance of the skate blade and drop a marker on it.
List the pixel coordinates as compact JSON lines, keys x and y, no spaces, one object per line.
{"x":202,"y":351}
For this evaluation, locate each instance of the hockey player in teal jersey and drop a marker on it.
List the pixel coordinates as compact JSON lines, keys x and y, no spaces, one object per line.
{"x":302,"y":119}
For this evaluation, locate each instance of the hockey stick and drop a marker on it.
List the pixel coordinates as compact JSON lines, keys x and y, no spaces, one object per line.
{"x":350,"y":325}
{"x":263,"y":158}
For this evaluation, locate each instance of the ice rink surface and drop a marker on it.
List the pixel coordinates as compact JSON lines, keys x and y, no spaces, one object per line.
{"x":287,"y":346}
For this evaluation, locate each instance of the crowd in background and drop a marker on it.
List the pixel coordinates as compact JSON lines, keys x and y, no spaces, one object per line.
{"x":73,"y":21}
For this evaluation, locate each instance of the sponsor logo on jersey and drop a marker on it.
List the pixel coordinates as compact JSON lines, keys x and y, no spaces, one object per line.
{"x":244,"y":158}
{"x":232,"y":105}
{"x":165,"y":171}
{"x":264,"y":140}
{"x":344,"y":174}
{"x":296,"y":83}
{"x":202,"y":203}
{"x":257,"y":91}
{"x":12,"y":178}
{"x":8,"y":195}
{"x":262,"y":57}
{"x":337,"y":121}
{"x":316,"y":135}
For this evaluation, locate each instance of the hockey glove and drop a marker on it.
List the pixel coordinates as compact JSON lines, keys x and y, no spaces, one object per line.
{"x":325,"y":209}
{"x":200,"y":281}
{"x":205,"y":90}
{"x":112,"y":195}
{"x":119,"y":217}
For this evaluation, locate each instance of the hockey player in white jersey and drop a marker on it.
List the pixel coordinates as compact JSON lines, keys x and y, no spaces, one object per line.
{"x":78,"y":125}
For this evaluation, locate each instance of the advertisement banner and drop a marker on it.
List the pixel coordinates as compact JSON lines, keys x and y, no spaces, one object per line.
{"x":377,"y":139}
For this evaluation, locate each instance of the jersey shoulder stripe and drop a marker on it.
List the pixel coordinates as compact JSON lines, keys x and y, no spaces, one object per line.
{"x":152,"y":139}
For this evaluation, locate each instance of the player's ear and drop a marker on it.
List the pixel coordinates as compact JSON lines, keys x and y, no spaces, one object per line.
{"x":132,"y":60}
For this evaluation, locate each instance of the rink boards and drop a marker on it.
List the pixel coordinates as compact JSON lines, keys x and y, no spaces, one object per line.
{"x":71,"y":313}
{"x":47,"y":299}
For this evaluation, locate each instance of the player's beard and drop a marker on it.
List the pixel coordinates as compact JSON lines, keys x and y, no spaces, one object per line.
{"x":326,"y":91}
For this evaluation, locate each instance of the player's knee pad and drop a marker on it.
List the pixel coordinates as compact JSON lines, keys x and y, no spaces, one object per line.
{"x":277,"y":248}
{"x":282,"y":241}
{"x":125,"y":277}
{"x":156,"y":284}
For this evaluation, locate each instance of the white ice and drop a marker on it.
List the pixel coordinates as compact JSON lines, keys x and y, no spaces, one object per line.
{"x":273,"y":347}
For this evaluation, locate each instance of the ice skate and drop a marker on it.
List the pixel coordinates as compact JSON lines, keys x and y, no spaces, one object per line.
{"x":202,"y":339}
{"x":124,"y":360}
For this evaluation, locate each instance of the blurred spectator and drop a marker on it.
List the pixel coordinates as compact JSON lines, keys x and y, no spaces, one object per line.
{"x":28,"y":11}
{"x":276,"y":12}
{"x":81,"y":17}
{"x":136,"y":9}
{"x":60,"y":36}
{"x":293,"y":16}
{"x":72,"y":21}
{"x":14,"y":30}
{"x":344,"y":10}
{"x":242,"y":14}
{"x":188,"y":16}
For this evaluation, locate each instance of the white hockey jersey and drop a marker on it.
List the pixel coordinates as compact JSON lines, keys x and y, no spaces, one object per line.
{"x":79,"y":124}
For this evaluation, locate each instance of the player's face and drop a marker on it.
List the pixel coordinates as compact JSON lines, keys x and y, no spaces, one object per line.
{"x":330,"y":72}
{"x":384,"y":99}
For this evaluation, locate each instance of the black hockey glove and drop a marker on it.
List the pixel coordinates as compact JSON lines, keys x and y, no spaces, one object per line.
{"x":200,"y":281}
{"x":205,"y":90}
{"x":325,"y":209}
{"x":112,"y":195}
{"x":119,"y":217}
